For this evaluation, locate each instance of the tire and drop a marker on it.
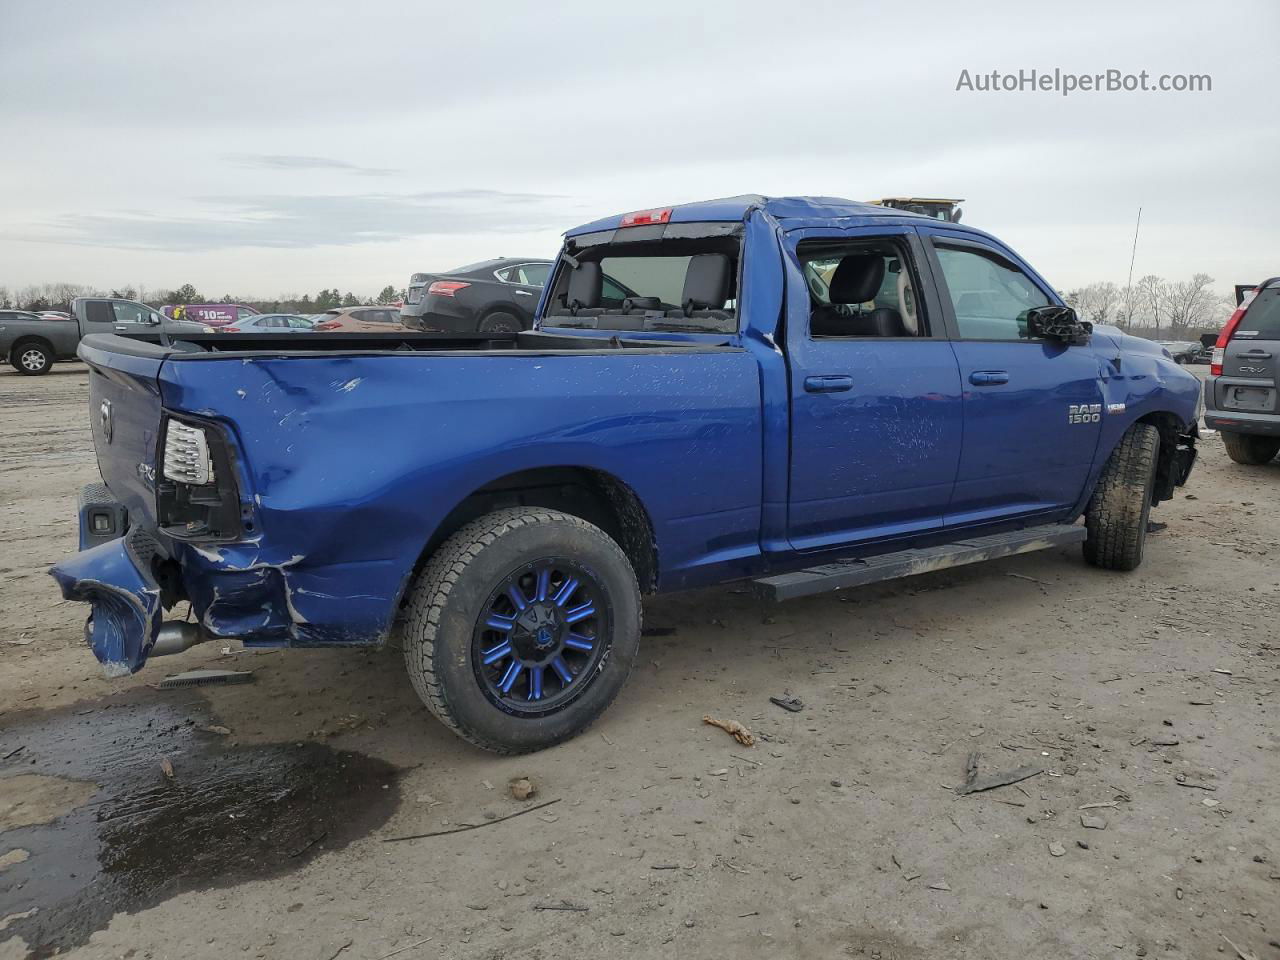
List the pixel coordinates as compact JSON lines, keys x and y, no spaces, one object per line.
{"x":501,"y":322}
{"x":32,"y":359}
{"x":466,"y":587}
{"x":1250,"y":449}
{"x":1116,"y":517}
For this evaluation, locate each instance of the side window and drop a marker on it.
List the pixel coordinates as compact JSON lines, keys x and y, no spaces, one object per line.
{"x":862,"y":289}
{"x":532,"y":274}
{"x":130,"y":312}
{"x":244,"y":312}
{"x":990,"y":296}
{"x":98,"y":311}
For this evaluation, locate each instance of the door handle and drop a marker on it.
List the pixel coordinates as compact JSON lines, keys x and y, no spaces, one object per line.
{"x":121,"y":327}
{"x":1257,"y":355}
{"x":986,"y":378}
{"x":834,"y":384}
{"x":523,"y":293}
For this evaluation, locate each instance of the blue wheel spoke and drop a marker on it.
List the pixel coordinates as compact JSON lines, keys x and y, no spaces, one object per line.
{"x":535,"y":682}
{"x":562,"y":670}
{"x":544,"y":584}
{"x":509,"y":678}
{"x":494,"y":654}
{"x":517,"y":596}
{"x":565,"y":592}
{"x":580,"y":613}
{"x":498,"y":622}
{"x":576,"y":641}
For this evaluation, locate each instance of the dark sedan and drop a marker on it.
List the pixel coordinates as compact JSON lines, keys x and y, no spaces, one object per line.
{"x":493,"y":296}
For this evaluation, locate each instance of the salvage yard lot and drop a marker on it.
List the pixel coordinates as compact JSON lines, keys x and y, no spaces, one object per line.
{"x":838,"y":834}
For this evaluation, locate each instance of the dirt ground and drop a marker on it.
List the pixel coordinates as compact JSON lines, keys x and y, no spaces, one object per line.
{"x":161,"y":823}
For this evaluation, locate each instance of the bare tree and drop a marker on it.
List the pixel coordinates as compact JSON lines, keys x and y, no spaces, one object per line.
{"x":1096,"y":302}
{"x":1151,"y":290}
{"x":1190,"y":303}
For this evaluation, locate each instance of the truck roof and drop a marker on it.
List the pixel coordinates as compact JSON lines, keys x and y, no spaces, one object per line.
{"x":736,"y":208}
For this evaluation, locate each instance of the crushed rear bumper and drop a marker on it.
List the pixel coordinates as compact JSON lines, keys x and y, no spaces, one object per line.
{"x":115,"y":578}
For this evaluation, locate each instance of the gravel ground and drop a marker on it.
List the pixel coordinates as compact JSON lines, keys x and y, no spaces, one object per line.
{"x":1150,"y":696}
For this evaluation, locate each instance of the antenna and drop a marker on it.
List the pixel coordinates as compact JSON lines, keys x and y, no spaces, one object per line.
{"x":1134,"y":255}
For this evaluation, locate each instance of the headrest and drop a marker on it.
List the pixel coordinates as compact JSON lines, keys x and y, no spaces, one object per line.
{"x":585,"y":283}
{"x":857,"y":279}
{"x":706,"y":284}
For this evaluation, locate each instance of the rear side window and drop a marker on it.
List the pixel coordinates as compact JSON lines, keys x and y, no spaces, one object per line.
{"x":98,"y":311}
{"x":1262,"y":320}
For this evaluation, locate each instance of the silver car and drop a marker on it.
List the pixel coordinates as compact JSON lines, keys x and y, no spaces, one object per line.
{"x":1240,"y":394}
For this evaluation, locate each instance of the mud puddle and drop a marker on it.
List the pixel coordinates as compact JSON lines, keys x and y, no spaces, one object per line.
{"x":105,"y":828}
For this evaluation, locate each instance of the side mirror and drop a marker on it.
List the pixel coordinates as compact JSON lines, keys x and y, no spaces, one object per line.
{"x":1058,"y":323}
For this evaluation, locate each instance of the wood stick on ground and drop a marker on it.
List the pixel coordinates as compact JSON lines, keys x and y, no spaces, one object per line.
{"x":734,"y":729}
{"x":472,"y":826}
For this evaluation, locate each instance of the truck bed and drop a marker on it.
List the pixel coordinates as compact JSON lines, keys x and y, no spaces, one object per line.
{"x":530,"y":341}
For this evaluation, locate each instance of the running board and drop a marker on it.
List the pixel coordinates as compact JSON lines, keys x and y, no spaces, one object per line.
{"x":908,"y":563}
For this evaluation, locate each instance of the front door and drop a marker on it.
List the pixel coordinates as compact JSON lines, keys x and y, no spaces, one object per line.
{"x":875,"y":390}
{"x":1033,"y":408}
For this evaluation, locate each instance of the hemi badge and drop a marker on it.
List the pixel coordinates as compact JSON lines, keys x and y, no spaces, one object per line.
{"x":1115,"y":408}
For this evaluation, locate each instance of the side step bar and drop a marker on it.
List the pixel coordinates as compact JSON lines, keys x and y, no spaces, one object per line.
{"x":907,"y":563}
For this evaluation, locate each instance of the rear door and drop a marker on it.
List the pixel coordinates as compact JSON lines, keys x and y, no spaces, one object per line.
{"x":1248,"y":380}
{"x":1033,"y":408}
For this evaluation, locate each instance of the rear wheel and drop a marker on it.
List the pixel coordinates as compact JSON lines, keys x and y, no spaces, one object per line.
{"x":1116,"y":517}
{"x":501,"y":323}
{"x":522,"y":628}
{"x":1250,"y":449}
{"x":31,"y":359}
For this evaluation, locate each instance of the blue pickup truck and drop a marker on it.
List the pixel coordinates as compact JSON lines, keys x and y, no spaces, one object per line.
{"x":804,"y":393}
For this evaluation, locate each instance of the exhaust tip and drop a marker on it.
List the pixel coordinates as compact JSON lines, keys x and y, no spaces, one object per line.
{"x":176,"y":636}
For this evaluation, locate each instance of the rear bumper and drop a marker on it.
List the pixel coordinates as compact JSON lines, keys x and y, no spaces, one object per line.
{"x":126,"y":612}
{"x":436,"y":314}
{"x":1258,"y":424}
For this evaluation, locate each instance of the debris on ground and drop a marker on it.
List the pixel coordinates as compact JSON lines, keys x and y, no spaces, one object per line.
{"x":1093,"y":823}
{"x":1056,"y":849}
{"x":940,"y":885}
{"x":219,"y":730}
{"x":562,"y":905}
{"x":166,"y":768}
{"x":522,"y":788}
{"x":1241,"y":953}
{"x":200,"y":678}
{"x":733,"y":728}
{"x":793,"y":704}
{"x":471,"y":826}
{"x":975,"y":784}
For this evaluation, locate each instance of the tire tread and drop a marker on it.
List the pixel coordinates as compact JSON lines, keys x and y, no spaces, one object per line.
{"x":1116,"y":516}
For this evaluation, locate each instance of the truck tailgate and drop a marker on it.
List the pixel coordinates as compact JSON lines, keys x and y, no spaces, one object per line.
{"x":124,"y":413}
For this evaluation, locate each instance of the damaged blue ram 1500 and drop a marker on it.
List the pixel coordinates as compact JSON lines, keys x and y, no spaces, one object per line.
{"x":808,"y":393}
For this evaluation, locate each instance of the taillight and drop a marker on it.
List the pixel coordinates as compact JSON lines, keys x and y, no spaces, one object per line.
{"x":1220,"y":347}
{"x":643,"y":218}
{"x":446,"y":288}
{"x":196,"y":496}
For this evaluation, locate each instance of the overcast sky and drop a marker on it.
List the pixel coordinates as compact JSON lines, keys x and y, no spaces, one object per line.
{"x":260,"y":148}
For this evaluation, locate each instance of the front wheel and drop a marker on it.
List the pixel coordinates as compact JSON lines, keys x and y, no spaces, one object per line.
{"x":1250,"y":449}
{"x":31,"y":359}
{"x":1116,"y":517}
{"x":522,"y":628}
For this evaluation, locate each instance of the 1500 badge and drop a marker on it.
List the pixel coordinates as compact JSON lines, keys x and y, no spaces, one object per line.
{"x":1084,"y":413}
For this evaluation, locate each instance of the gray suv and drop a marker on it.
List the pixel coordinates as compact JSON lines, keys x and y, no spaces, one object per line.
{"x":1240,"y":393}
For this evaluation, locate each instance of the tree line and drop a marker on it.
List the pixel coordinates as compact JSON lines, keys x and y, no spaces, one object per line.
{"x":58,"y":296}
{"x":1155,"y":307}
